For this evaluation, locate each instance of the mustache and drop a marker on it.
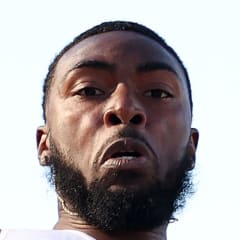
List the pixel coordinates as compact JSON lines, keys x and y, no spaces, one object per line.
{"x":124,"y":133}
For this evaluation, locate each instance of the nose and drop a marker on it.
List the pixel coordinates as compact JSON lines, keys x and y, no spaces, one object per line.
{"x":124,"y":108}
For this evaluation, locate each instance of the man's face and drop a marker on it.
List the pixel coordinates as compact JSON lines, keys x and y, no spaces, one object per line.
{"x":119,"y":107}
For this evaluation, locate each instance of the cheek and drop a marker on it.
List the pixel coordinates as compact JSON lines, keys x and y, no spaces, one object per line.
{"x":169,"y":135}
{"x":173,"y":123}
{"x":73,"y":128}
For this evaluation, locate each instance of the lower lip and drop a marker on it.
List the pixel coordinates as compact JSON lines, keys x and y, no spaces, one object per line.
{"x":123,"y":163}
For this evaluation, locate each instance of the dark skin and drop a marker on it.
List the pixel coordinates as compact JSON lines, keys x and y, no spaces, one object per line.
{"x":106,"y":83}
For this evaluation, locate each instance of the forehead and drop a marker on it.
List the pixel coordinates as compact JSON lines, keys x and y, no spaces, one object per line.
{"x":119,"y":48}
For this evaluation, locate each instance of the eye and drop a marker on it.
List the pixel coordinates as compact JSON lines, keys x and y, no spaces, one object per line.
{"x":90,"y":92}
{"x":157,"y":93}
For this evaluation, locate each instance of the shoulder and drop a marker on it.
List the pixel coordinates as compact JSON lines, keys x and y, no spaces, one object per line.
{"x":3,"y":234}
{"x":43,"y":235}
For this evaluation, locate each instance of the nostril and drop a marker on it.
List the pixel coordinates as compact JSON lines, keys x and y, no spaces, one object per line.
{"x":113,"y":119}
{"x":137,"y":119}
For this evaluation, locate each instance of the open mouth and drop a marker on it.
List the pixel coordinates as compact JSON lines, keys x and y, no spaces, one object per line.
{"x":126,"y":154}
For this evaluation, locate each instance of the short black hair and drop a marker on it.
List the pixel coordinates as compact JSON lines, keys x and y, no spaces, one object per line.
{"x":108,"y":27}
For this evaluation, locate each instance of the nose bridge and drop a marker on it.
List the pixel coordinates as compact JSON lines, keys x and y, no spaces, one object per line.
{"x":125,"y":102}
{"x":123,"y":97}
{"x":124,"y":107}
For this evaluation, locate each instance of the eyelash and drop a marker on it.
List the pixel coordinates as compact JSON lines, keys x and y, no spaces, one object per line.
{"x":93,"y":92}
{"x":88,"y":92}
{"x":157,"y":93}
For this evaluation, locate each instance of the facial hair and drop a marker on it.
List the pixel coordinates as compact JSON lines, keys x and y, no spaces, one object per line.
{"x":126,"y":210}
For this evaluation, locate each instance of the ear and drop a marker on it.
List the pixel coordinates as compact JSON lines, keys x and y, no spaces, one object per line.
{"x":43,"y":145}
{"x":193,"y":142}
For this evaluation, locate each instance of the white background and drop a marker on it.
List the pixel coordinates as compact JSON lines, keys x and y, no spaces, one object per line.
{"x":206,"y":35}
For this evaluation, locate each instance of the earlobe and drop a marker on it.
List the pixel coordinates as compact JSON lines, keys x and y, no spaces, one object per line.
{"x":195,"y":137}
{"x":43,"y":145}
{"x":193,"y":142}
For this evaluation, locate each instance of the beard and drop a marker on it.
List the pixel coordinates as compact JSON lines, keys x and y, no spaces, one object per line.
{"x":124,"y":210}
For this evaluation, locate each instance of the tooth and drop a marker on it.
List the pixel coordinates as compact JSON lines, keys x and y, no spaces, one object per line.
{"x":128,"y":157}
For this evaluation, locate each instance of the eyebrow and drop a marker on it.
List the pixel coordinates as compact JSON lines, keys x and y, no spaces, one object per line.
{"x":96,"y":64}
{"x":154,"y":66}
{"x":103,"y":65}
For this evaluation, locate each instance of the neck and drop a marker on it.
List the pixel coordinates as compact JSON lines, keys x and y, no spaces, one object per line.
{"x":66,"y":221}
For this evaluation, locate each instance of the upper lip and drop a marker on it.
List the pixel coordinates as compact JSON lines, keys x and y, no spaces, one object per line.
{"x":130,"y":145}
